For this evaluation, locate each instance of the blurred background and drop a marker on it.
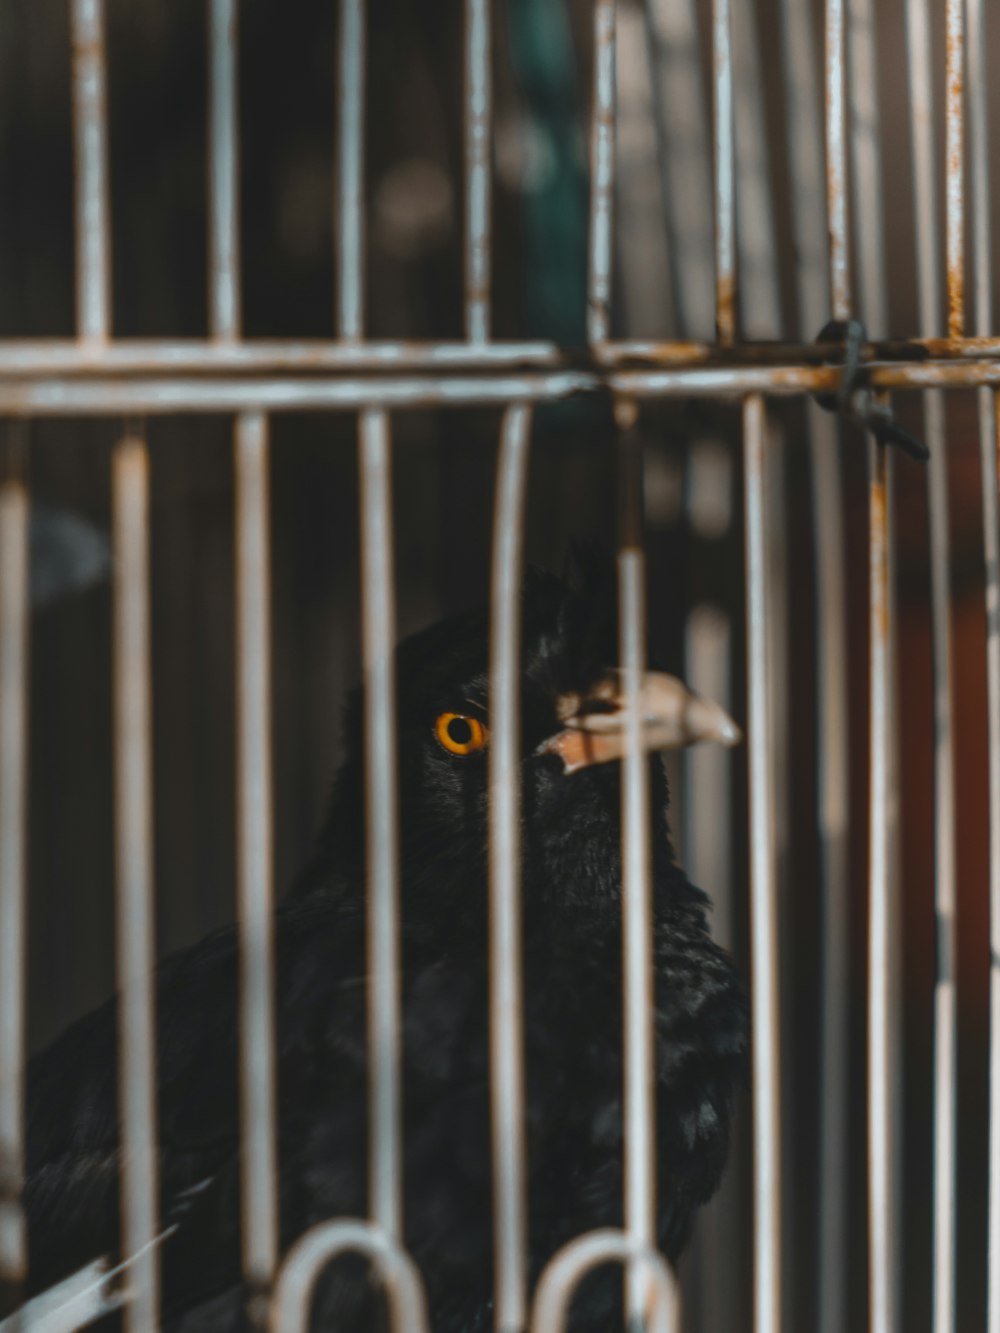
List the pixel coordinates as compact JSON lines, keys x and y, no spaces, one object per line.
{"x":444,"y":464}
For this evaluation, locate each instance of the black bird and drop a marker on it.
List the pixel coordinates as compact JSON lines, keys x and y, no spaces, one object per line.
{"x":571,"y":707}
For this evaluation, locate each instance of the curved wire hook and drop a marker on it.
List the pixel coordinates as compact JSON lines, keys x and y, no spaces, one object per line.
{"x":327,"y":1241}
{"x":574,"y":1261}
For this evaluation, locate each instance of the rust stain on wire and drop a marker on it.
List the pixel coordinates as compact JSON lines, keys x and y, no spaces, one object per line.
{"x":725,"y":174}
{"x":955,"y":188}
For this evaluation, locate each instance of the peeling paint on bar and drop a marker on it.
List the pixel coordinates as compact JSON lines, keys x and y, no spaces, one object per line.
{"x":954,"y":164}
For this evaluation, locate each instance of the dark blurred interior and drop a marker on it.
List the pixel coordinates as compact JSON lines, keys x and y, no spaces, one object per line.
{"x":444,"y":465}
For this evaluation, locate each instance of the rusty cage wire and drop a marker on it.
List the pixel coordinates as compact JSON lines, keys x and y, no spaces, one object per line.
{"x":839,"y":274}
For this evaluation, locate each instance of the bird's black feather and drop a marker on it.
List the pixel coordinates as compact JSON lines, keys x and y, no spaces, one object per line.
{"x":573,"y":1019}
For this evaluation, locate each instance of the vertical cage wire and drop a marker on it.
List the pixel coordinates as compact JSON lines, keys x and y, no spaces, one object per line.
{"x":506,"y":976}
{"x":945,"y":1017}
{"x":989,"y":450}
{"x":882,"y":1222}
{"x":478,"y":193}
{"x":14,"y":638}
{"x":90,"y":134}
{"x":255,"y":854}
{"x":835,"y":48}
{"x":725,"y":173}
{"x":814,"y":282}
{"x":763,"y":896}
{"x":884,"y":993}
{"x":134,"y":876}
{"x":638,"y":1106}
{"x":602,"y":174}
{"x":382,"y":822}
{"x":224,"y":165}
{"x":350,"y":251}
{"x":954,"y":163}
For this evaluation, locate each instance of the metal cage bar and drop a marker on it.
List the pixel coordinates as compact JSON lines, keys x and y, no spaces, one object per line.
{"x":945,"y":1018}
{"x":814,"y":283}
{"x":134,"y":875}
{"x":350,"y":250}
{"x":882,"y":1223}
{"x":14,"y":638}
{"x":224,"y":298}
{"x":255,"y":854}
{"x":92,"y":211}
{"x":763,"y":894}
{"x":989,"y":449}
{"x":725,"y":173}
{"x":836,"y":158}
{"x":506,"y":1005}
{"x":638,"y":1106}
{"x":602,"y":173}
{"x":478,"y":193}
{"x":382,"y":823}
{"x":954,"y":163}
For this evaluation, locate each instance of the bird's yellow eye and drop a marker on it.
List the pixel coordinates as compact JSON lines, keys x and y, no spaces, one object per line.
{"x":460,"y":734}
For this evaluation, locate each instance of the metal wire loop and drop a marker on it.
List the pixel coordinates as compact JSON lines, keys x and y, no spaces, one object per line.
{"x":574,"y":1261}
{"x":310,"y":1255}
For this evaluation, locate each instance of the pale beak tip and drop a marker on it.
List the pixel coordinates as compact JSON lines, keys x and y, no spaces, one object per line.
{"x":729,"y":733}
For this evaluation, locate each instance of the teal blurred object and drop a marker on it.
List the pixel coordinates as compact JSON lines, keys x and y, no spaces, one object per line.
{"x":555,"y":205}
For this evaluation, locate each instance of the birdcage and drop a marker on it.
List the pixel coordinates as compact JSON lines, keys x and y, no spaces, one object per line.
{"x":785,"y":343}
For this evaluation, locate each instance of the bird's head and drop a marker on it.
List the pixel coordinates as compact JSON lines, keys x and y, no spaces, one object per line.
{"x":572,"y":710}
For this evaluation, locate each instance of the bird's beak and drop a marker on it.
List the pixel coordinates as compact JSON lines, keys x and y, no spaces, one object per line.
{"x":594,"y":728}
